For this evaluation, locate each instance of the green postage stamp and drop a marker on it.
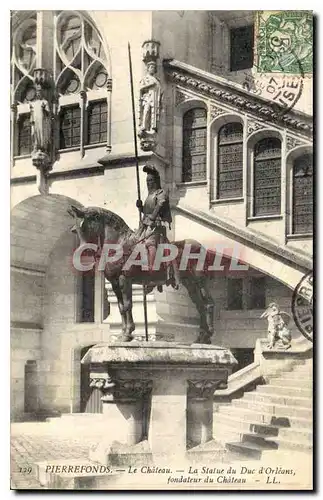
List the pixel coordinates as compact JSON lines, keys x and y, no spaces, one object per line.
{"x":285,"y":42}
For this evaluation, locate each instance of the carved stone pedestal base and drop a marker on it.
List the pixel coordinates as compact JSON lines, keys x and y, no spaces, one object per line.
{"x":158,"y":399}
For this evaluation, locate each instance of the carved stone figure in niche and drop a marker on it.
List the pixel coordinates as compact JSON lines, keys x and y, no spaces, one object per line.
{"x":150,"y":100}
{"x":40,"y":119}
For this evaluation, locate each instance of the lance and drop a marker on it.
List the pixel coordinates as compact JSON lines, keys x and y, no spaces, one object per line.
{"x":137,"y":174}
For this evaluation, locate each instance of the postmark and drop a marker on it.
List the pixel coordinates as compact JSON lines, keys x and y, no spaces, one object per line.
{"x":284,"y":91}
{"x":284,"y":42}
{"x":302,"y":305}
{"x":269,"y":78}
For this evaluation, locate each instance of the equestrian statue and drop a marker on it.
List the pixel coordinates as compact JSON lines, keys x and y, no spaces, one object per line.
{"x":97,"y":225}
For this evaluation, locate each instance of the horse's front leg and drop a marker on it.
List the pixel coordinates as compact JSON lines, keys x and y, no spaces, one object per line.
{"x":126,"y":290}
{"x":118,"y":293}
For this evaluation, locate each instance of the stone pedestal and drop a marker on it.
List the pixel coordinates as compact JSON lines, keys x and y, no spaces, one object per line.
{"x":157,"y":397}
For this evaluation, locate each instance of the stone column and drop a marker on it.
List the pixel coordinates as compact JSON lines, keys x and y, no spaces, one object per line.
{"x":200,"y":411}
{"x":123,"y":412}
{"x":167,"y":429}
{"x":128,"y":397}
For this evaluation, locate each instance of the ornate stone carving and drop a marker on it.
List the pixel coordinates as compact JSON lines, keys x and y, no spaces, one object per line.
{"x":117,"y":389}
{"x":131,"y":389}
{"x":41,"y":126}
{"x":109,"y":84}
{"x":203,"y":389}
{"x":215,"y":111}
{"x":254,"y":126}
{"x":249,"y":103}
{"x":279,"y":336}
{"x":292,"y":142}
{"x":150,"y":98}
{"x":180,"y":97}
{"x":103,"y":383}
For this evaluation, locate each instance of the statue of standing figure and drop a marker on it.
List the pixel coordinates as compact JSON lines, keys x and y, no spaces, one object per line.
{"x":156,"y":216}
{"x":40,"y":119}
{"x":150,"y":100}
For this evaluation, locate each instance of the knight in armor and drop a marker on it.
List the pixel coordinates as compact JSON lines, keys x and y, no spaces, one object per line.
{"x":156,"y":214}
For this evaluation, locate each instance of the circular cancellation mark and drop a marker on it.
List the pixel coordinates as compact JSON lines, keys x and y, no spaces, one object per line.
{"x":302,"y":306}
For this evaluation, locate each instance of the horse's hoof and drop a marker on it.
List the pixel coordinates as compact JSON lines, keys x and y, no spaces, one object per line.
{"x":203,"y":338}
{"x":127,"y":339}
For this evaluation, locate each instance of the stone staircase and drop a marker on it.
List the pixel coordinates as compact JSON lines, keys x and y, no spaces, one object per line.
{"x":276,"y":415}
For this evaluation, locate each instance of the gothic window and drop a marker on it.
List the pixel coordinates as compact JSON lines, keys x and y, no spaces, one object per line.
{"x":24,"y":136}
{"x":70,"y":49}
{"x":97,"y":122}
{"x":241,"y":47}
{"x":302,"y":219}
{"x":267,"y":177}
{"x":230,"y":161}
{"x":70,"y":127}
{"x":194,"y":145}
{"x":81,"y":79}
{"x":23,"y":61}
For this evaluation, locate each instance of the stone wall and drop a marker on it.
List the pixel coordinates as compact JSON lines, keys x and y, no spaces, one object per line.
{"x":27,"y":290}
{"x":25,"y":346}
{"x":233,"y":329}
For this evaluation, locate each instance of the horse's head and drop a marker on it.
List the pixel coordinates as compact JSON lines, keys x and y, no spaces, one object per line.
{"x":88,"y":223}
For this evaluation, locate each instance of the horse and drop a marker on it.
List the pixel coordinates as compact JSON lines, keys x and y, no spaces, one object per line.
{"x":97,"y":225}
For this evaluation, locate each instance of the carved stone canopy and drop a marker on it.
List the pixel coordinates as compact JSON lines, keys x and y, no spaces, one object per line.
{"x":42,"y":82}
{"x":150,"y":51}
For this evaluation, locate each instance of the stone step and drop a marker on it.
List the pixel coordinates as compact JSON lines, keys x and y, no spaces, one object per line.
{"x":307,"y":370}
{"x":283,"y":390}
{"x":251,"y":450}
{"x":223,"y":423}
{"x":274,"y":409}
{"x":255,"y":449}
{"x":227,"y":432}
{"x":295,"y":375}
{"x":303,"y":369}
{"x":292,"y":382}
{"x":277,"y":443}
{"x":305,"y":402}
{"x":265,"y":417}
